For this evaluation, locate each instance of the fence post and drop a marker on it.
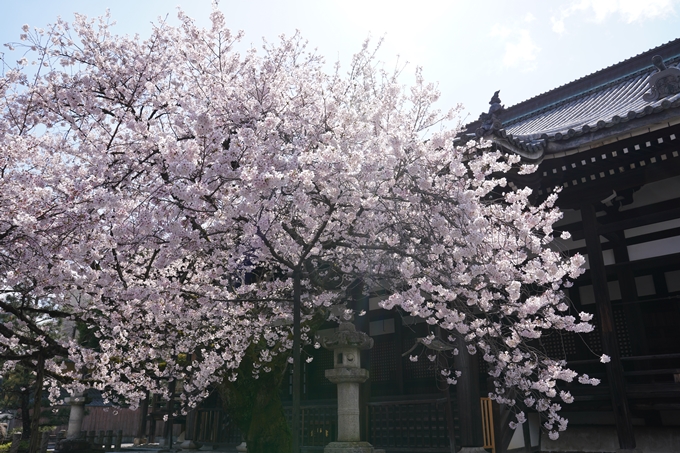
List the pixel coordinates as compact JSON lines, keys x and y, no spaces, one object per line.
{"x":119,"y":439}
{"x":101,"y":440}
{"x":108,"y":440}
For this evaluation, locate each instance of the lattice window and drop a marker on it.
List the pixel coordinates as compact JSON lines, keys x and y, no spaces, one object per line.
{"x":622,"y":334}
{"x":594,"y":339}
{"x":423,"y":368}
{"x":317,"y":424}
{"x":323,"y":360}
{"x":407,"y":426}
{"x":383,"y":365}
{"x":559,"y":345}
{"x":483,"y":366}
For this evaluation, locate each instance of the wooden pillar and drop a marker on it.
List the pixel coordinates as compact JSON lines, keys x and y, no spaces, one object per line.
{"x":191,"y":424}
{"x":169,"y":408}
{"x":144,"y":413}
{"x":622,"y":415}
{"x":443,"y":363}
{"x":152,"y":419}
{"x":397,"y":351}
{"x":467,"y":394}
{"x":633,"y":313}
{"x":632,"y":310}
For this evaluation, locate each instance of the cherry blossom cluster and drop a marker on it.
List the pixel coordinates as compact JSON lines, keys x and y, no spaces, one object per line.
{"x":170,"y":193}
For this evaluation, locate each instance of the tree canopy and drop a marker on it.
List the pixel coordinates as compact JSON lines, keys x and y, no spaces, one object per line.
{"x":174,"y":194}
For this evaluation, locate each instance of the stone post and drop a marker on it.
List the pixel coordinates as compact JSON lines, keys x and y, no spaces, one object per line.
{"x":16,"y":438}
{"x":44,"y":441}
{"x":347,"y":373}
{"x":108,"y":439}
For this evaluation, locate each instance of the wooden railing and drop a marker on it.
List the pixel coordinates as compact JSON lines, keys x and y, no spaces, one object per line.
{"x":214,"y":427}
{"x":487,"y":424}
{"x":415,"y":425}
{"x":409,"y":425}
{"x":318,"y":424}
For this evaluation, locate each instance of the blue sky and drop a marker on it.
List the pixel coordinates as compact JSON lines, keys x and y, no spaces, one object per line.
{"x":472,"y":48}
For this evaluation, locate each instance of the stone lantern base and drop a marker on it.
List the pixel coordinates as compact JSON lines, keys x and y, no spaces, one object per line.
{"x":77,"y":445}
{"x":348,"y":447}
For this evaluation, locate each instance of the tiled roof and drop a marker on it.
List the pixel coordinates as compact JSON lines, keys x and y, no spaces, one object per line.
{"x":608,"y":102}
{"x":601,"y":107}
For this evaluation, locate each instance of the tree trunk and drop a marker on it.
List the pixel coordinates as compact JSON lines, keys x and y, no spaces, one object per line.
{"x":254,"y":405}
{"x":34,"y":445}
{"x":269,"y":432}
{"x":297,"y":367}
{"x":25,"y":414}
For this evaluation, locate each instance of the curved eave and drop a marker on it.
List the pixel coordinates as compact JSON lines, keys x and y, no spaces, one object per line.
{"x":536,"y":147}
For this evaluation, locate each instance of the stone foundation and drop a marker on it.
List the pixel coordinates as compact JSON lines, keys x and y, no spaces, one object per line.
{"x":584,"y":439}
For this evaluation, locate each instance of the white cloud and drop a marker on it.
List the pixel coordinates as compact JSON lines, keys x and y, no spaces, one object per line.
{"x":558,"y":25}
{"x":501,"y":31}
{"x":529,"y":17}
{"x":520,"y":48}
{"x":628,"y":10}
{"x":523,"y":51}
{"x":404,"y":26}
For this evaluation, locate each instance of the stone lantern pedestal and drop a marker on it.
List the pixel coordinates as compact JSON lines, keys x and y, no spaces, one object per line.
{"x":74,"y":442}
{"x":347,"y":373}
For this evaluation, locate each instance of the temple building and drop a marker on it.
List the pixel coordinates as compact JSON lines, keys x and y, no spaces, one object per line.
{"x":611,"y":142}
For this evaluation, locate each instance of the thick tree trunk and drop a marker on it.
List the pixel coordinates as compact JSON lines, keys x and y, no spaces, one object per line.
{"x":255,"y":406}
{"x":269,"y":432}
{"x":34,"y":445}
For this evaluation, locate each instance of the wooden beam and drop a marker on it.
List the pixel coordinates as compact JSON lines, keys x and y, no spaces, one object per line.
{"x":617,"y":387}
{"x":631,"y":218}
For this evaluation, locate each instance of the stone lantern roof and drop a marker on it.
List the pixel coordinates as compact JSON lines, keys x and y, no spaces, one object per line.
{"x":347,"y":336}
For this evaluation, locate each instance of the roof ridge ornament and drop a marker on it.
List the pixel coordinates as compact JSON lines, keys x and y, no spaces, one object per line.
{"x":665,"y":82}
{"x":491,"y":121}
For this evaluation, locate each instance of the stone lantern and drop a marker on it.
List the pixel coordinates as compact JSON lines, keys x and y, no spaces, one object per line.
{"x":347,"y":373}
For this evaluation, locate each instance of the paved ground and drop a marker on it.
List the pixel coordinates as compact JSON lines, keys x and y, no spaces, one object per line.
{"x":128,"y":447}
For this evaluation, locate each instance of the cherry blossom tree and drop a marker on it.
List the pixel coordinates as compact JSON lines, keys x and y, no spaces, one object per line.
{"x":185,"y":200}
